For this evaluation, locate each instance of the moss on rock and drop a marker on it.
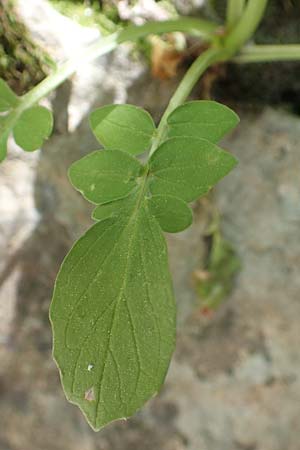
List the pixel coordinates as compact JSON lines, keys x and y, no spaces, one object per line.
{"x":22,"y":63}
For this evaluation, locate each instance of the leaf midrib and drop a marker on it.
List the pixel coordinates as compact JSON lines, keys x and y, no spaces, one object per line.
{"x":136,"y":130}
{"x":197,"y":122}
{"x":133,"y":217}
{"x":108,"y":348}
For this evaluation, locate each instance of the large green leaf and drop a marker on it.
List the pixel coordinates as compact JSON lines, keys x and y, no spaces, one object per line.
{"x":203,"y":119}
{"x":172,"y":214}
{"x":105,"y":175}
{"x":123,"y":127}
{"x":33,"y":127}
{"x":113,"y":317}
{"x":113,"y":312}
{"x":8,"y":98}
{"x":188,"y":167}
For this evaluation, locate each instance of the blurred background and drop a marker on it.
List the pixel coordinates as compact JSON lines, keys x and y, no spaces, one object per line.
{"x":234,"y":380}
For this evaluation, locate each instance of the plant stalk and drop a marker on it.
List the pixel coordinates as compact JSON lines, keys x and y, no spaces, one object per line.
{"x":190,"y":25}
{"x":246,"y":26}
{"x":234,"y":12}
{"x":205,"y":60}
{"x":101,"y":47}
{"x":268,"y":53}
{"x":106,"y":44}
{"x":205,"y":29}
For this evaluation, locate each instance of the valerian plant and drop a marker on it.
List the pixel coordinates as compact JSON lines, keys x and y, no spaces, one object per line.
{"x":113,"y":310}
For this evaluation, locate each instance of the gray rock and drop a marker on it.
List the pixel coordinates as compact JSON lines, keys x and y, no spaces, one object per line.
{"x":236,"y":379}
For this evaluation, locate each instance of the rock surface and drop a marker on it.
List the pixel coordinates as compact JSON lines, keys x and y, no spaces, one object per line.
{"x":234,"y":381}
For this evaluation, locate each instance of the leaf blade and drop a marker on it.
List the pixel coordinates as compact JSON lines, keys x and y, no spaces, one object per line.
{"x":33,"y":127}
{"x":172,"y":213}
{"x":202,"y":119}
{"x":135,"y":339}
{"x":8,"y":99}
{"x":114,"y":208}
{"x":105,"y":175}
{"x":188,"y":167}
{"x":123,"y":127}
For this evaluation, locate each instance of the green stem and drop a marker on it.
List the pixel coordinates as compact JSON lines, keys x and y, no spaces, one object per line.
{"x":101,"y":47}
{"x":109,"y":43}
{"x":268,"y":53}
{"x":246,"y":26}
{"x":235,"y":40}
{"x":234,"y":12}
{"x":207,"y":30}
{"x":190,"y":25}
{"x":185,"y":87}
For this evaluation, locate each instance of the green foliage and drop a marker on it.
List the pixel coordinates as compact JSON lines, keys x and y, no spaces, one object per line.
{"x":123,"y":127}
{"x":187,"y":167}
{"x":172,"y":214}
{"x":8,"y":99}
{"x":103,"y":176}
{"x":23,"y":64}
{"x":114,"y":208}
{"x":113,"y":316}
{"x":113,"y":311}
{"x":90,"y":14}
{"x":33,"y":126}
{"x":30,"y":127}
{"x":202,"y":119}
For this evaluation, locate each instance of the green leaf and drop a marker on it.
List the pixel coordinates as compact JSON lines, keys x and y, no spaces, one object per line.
{"x":172,"y":214}
{"x":113,"y":316}
{"x":8,"y":98}
{"x":187,"y":167}
{"x":203,"y":119}
{"x":113,"y":311}
{"x":105,"y":175}
{"x":33,"y":127}
{"x":114,"y":208}
{"x":123,"y":127}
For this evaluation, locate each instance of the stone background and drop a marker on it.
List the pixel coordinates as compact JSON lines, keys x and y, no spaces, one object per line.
{"x":234,"y":381}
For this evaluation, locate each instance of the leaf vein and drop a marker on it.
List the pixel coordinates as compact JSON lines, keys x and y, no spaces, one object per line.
{"x":114,"y":312}
{"x":136,"y":130}
{"x":148,"y":294}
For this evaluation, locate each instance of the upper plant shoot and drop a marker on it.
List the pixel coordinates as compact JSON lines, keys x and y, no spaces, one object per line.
{"x":113,"y":308}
